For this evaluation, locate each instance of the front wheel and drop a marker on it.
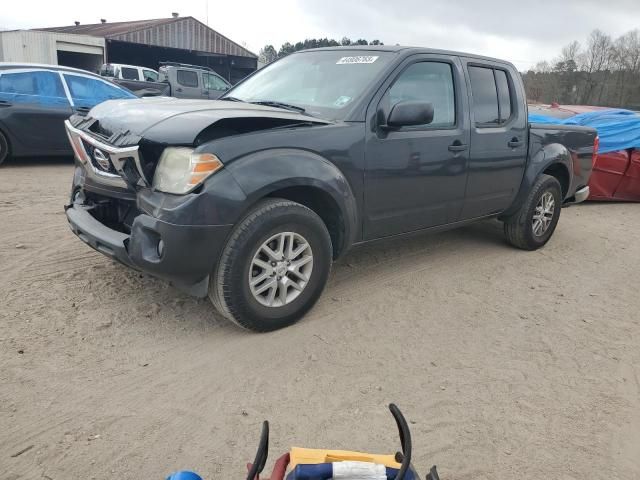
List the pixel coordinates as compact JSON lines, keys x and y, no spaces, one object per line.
{"x":274,"y":266}
{"x":532,"y":226}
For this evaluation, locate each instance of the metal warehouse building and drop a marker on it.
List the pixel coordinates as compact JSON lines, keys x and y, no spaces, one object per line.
{"x":81,"y":51}
{"x":143,"y":42}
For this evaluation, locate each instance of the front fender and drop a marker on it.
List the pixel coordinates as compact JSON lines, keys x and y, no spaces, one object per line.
{"x":262,"y":173}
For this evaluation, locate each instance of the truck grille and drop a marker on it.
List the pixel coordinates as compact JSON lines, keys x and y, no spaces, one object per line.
{"x":114,"y":166}
{"x":99,"y":159}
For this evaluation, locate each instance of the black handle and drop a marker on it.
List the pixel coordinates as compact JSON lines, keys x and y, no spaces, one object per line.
{"x":515,"y":142}
{"x":458,"y":146}
{"x":178,"y":89}
{"x":405,"y":440}
{"x":4,"y":103}
{"x":261,"y":454}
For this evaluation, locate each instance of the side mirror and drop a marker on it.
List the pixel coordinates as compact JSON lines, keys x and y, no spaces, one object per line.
{"x":410,"y":112}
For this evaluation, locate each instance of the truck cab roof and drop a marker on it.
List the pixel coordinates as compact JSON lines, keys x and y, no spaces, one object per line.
{"x":407,"y":50}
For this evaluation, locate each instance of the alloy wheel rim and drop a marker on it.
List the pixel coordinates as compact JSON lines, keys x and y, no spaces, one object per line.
{"x":543,"y":214}
{"x":280,"y":269}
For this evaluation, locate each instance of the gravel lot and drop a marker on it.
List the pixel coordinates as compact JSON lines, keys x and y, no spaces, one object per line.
{"x":509,"y":364}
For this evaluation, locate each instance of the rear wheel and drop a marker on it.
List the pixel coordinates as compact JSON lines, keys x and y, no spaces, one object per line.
{"x":532,"y":226}
{"x":274,"y":266}
{"x":4,"y":148}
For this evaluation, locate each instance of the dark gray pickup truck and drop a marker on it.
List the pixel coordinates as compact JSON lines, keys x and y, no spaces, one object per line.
{"x":248,"y":199}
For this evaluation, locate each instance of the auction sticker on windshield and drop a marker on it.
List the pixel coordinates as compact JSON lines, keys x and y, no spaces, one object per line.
{"x":359,"y":59}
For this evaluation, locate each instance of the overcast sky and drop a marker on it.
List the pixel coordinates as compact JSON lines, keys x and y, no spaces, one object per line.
{"x":523,"y":32}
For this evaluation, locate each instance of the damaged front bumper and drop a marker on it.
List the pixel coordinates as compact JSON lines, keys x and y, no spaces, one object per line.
{"x":182,"y":254}
{"x":114,"y":210}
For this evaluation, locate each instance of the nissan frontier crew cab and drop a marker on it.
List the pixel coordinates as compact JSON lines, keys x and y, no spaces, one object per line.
{"x":248,"y":199}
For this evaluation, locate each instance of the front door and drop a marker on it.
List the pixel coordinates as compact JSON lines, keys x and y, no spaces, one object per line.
{"x":415,"y":176}
{"x":34,"y":108}
{"x":498,"y":138}
{"x":215,"y":85}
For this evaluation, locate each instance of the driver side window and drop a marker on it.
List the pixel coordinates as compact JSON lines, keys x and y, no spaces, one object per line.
{"x":428,"y":82}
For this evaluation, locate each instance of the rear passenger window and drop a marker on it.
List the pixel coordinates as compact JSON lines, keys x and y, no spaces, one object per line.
{"x":44,"y":88}
{"x":429,"y":82}
{"x":129,"y":73}
{"x":187,"y":78}
{"x":491,"y":96}
{"x":485,"y":96}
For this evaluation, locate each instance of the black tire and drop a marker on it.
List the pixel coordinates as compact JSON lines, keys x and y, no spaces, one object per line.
{"x":229,"y":288}
{"x":4,"y":148}
{"x":519,"y":229}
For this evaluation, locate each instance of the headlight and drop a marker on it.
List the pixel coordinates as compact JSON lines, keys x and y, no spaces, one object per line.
{"x":180,"y":170}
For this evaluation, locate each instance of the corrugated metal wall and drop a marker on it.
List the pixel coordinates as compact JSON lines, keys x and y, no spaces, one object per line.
{"x":187,"y":34}
{"x":41,"y":47}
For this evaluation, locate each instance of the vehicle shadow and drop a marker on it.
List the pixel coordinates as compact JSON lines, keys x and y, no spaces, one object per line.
{"x":359,"y":267}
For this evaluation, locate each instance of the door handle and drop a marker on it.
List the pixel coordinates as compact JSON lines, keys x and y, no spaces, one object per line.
{"x":4,"y":103}
{"x":515,"y":142}
{"x":458,"y":146}
{"x":178,"y":89}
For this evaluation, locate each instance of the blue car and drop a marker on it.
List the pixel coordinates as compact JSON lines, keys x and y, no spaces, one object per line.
{"x":35,"y":100}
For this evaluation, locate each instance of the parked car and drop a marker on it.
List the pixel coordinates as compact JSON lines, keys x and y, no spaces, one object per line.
{"x":178,"y":80}
{"x":250,"y":198}
{"x":35,"y":100}
{"x":192,"y":81}
{"x":128,"y":72}
{"x":142,"y":81}
{"x":616,"y":174}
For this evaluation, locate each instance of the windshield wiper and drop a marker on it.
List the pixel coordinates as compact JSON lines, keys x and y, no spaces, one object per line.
{"x":273,"y":103}
{"x":231,"y":99}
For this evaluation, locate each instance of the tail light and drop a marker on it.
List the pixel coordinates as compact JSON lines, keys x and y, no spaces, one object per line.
{"x":596,"y":147}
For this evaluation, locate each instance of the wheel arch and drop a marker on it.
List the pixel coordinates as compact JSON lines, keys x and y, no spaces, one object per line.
{"x":553,"y":159}
{"x":306,"y":178}
{"x":560,"y":172}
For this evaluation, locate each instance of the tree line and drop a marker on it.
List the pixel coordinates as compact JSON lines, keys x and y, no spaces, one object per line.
{"x":604,"y":72}
{"x":268,"y":53}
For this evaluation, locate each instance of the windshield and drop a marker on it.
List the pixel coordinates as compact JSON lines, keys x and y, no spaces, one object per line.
{"x":325,"y":83}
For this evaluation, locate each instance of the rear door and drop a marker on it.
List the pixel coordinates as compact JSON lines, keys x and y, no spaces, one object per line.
{"x":33,"y":108}
{"x":499,"y":137}
{"x":188,"y":84}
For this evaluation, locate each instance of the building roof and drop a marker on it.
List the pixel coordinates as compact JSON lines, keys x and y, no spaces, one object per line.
{"x":175,"y":32}
{"x":109,"y":29}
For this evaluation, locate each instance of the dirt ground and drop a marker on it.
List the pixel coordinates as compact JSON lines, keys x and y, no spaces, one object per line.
{"x":509,"y":364}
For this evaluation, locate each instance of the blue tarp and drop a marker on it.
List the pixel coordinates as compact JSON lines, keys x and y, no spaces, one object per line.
{"x":618,"y":129}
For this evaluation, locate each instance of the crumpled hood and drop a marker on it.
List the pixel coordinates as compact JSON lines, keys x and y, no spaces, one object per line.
{"x":177,"y":121}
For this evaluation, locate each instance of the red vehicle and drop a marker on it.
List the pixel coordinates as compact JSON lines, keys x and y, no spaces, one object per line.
{"x":616,"y":175}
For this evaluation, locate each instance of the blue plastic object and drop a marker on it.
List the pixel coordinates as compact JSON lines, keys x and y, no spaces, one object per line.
{"x":618,"y":129}
{"x":184,"y":475}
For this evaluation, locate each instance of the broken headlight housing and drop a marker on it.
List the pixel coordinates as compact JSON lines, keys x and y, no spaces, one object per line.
{"x":180,"y":169}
